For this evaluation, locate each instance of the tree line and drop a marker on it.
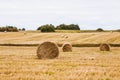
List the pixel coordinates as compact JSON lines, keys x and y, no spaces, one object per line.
{"x":10,"y":29}
{"x":49,"y":28}
{"x":52,"y":28}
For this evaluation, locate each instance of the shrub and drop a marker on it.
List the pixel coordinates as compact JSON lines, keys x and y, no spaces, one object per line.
{"x":8,"y":29}
{"x":68,"y":27}
{"x":118,"y":30}
{"x":100,"y":29}
{"x":23,"y":29}
{"x":47,"y":28}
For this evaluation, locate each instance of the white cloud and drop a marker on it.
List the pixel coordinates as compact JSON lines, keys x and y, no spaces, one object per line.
{"x":89,"y":14}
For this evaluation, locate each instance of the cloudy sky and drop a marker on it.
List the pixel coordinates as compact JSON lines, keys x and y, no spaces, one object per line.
{"x":88,"y":14}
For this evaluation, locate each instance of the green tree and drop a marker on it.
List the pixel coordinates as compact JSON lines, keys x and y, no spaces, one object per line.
{"x":8,"y":29}
{"x":118,"y":30}
{"x":47,"y":28}
{"x":68,"y":27}
{"x":100,"y":29}
{"x":23,"y":29}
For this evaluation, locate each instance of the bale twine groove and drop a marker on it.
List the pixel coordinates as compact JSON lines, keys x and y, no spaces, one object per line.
{"x":67,"y":47}
{"x":104,"y":47}
{"x":47,"y":50}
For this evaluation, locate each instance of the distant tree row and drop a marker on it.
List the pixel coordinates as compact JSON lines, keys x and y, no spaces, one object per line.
{"x":23,"y":29}
{"x":99,"y":30}
{"x":68,"y":27}
{"x":8,"y":29}
{"x":47,"y":28}
{"x":52,"y":28}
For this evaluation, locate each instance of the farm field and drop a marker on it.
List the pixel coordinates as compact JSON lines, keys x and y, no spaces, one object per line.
{"x":84,"y":63}
{"x":59,"y":40}
{"x":74,"y":38}
{"x":88,"y":63}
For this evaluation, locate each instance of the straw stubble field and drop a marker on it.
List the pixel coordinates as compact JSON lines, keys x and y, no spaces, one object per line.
{"x":84,"y":63}
{"x":74,"y":38}
{"x":21,"y":63}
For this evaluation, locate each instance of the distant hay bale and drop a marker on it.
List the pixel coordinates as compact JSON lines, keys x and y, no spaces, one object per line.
{"x":25,"y":33}
{"x":67,"y":47}
{"x":66,"y":37}
{"x":62,"y":36}
{"x":111,"y":31}
{"x":104,"y":47}
{"x":47,"y":50}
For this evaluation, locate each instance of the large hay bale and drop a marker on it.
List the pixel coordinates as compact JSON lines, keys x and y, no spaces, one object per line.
{"x":47,"y":50}
{"x":67,"y":47}
{"x":104,"y":47}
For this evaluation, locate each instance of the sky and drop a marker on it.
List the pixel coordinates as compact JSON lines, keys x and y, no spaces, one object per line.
{"x":88,"y":14}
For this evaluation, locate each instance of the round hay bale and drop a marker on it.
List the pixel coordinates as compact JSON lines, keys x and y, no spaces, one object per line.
{"x":25,"y":33}
{"x":66,"y":37}
{"x":62,"y":36}
{"x":47,"y":50}
{"x":104,"y":47}
{"x":67,"y":47}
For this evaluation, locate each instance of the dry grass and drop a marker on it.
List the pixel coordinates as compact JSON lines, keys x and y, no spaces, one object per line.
{"x":74,"y":38}
{"x":21,"y":63}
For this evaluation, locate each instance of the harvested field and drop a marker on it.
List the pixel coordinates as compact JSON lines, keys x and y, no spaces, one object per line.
{"x":21,"y":63}
{"x":74,"y":38}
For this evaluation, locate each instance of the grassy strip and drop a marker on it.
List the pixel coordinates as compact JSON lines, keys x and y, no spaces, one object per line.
{"x":115,"y":45}
{"x":19,"y":44}
{"x":74,"y":45}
